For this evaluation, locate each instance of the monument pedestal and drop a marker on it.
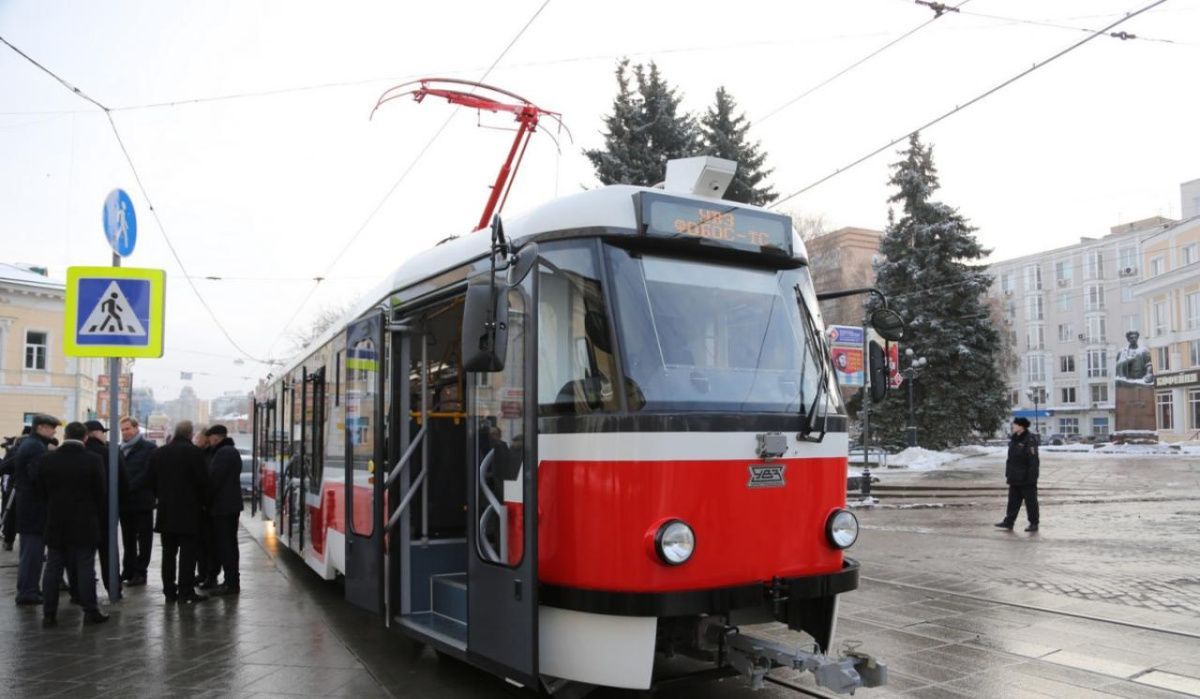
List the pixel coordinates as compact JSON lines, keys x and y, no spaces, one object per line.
{"x":1136,"y":422}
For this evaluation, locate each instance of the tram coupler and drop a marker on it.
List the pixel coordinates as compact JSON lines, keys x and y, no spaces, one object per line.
{"x":755,"y":657}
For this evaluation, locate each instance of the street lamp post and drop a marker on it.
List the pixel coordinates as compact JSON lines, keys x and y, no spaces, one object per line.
{"x":915,"y":364}
{"x":1035,"y":395}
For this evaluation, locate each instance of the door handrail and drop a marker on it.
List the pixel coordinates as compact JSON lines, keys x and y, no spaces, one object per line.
{"x":408,"y":497}
{"x":404,"y":460}
{"x":495,"y":506}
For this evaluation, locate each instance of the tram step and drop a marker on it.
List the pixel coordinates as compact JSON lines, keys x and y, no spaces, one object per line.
{"x":448,"y":593}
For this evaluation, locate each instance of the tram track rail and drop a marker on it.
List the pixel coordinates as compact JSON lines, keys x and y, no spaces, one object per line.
{"x":1038,"y":608}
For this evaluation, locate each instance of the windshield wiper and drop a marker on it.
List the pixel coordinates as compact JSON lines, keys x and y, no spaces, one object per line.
{"x":812,"y":346}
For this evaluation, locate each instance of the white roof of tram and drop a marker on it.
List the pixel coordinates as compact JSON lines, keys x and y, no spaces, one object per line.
{"x":611,"y":207}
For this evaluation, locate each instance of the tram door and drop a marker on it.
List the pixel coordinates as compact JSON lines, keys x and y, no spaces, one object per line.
{"x":365,"y":466}
{"x":502,"y":485}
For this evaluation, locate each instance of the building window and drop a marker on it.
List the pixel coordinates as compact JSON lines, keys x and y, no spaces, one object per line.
{"x":1034,"y":306}
{"x":1131,"y":322}
{"x":1094,"y":300}
{"x":1095,"y":265}
{"x":1063,"y":272}
{"x":1014,"y":398}
{"x":1064,"y":301}
{"x":1033,"y":278}
{"x":1194,"y":405}
{"x":1099,"y":392}
{"x":1158,"y":265}
{"x":1194,"y":353}
{"x":35,"y":350}
{"x":1035,"y":337}
{"x":1191,"y":307}
{"x":1164,"y":359}
{"x":1165,"y":410}
{"x":1127,"y":258}
{"x":1064,"y":332}
{"x":1189,"y":254}
{"x":1126,"y":294}
{"x":1068,"y":395}
{"x":1007,"y":283}
{"x":1160,"y":318}
{"x":1066,"y":364}
{"x":1096,"y":329}
{"x":1100,"y":427}
{"x":1068,"y":425}
{"x":1037,"y":368}
{"x":1097,"y":363}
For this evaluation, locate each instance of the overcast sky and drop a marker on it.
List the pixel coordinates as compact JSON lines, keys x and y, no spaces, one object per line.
{"x":265,"y":188}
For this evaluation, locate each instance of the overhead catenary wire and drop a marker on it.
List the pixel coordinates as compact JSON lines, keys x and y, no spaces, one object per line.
{"x":958,"y":108}
{"x":142,"y":188}
{"x":855,"y":64}
{"x":403,"y":176}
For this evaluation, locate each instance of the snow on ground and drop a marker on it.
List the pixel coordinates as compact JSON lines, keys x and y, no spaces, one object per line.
{"x":918,"y":459}
{"x":1138,"y":449}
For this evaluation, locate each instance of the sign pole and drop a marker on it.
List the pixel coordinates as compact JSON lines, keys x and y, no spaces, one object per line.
{"x":114,"y":464}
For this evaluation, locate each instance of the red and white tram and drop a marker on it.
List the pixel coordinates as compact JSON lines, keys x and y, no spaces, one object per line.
{"x":552,"y":453}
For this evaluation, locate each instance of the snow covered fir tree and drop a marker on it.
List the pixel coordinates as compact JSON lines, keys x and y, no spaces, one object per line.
{"x":931,"y":276}
{"x":725,"y":136}
{"x":645,"y":129}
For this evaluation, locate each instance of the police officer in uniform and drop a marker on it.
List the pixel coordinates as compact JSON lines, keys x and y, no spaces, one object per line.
{"x":1021,"y":471}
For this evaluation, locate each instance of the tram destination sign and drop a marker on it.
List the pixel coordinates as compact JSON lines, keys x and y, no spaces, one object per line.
{"x":715,"y":223}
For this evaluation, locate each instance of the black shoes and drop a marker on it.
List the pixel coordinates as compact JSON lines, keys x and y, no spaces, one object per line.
{"x":223,"y":590}
{"x":1031,"y":528}
{"x":29,"y":601}
{"x":136,"y":582}
{"x":191,"y":599}
{"x":207,"y":585}
{"x":1004,"y":525}
{"x":94,"y":617}
{"x":49,"y":621}
{"x":172,"y":598}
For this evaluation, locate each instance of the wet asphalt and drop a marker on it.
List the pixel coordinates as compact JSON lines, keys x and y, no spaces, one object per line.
{"x":1103,"y":601}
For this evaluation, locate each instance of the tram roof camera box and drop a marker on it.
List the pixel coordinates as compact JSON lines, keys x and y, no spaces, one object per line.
{"x":705,"y":176}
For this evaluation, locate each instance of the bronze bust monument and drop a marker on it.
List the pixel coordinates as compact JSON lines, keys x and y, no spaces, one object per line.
{"x":1133,"y":362}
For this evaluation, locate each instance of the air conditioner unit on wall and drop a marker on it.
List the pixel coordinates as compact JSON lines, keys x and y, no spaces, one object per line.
{"x":1128,"y":271}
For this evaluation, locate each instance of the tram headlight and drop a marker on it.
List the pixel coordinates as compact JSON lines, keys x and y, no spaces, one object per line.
{"x":842,"y":529}
{"x":675,"y":542}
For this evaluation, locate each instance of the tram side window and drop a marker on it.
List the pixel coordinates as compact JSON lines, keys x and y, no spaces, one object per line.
{"x":362,"y":363}
{"x":576,"y":366}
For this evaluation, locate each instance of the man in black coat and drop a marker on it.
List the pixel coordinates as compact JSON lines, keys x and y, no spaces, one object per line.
{"x":71,"y":483}
{"x":1021,"y":471}
{"x":179,"y":478}
{"x":31,"y":510}
{"x":137,"y":512}
{"x":225,"y":504}
{"x":97,"y":443}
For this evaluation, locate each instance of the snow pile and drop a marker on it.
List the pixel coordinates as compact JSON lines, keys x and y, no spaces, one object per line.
{"x":978,"y":450}
{"x":918,"y":459}
{"x":1138,"y":449}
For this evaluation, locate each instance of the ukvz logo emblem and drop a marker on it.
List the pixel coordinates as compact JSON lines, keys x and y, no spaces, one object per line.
{"x":766,"y":476}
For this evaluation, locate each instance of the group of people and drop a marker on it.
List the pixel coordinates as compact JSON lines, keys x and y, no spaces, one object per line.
{"x":58,"y":504}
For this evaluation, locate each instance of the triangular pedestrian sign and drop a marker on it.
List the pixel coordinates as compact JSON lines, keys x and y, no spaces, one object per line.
{"x":112,"y":316}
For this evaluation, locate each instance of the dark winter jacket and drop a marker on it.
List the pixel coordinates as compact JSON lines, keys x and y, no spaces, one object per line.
{"x":1023,"y":462}
{"x":71,"y":483}
{"x":137,"y":461}
{"x":95,"y":446}
{"x":31,"y":514}
{"x":179,"y":479}
{"x":225,"y":480}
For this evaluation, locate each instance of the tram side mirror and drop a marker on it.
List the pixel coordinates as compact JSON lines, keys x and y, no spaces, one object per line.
{"x":485,"y":328}
{"x":878,"y":371}
{"x":888,"y":324}
{"x":522,"y":263}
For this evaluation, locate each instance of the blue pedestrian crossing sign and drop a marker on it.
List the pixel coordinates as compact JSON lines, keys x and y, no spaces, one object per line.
{"x":120,"y":222}
{"x":114,"y":312}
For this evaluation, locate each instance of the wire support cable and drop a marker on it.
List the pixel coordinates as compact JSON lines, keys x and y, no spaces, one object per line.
{"x":978,"y":98}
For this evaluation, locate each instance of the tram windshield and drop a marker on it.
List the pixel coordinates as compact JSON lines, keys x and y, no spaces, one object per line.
{"x":701,"y":336}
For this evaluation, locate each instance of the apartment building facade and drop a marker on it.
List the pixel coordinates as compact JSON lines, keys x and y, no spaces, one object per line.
{"x":1169,"y":295}
{"x":843,"y":259}
{"x":1064,"y":314}
{"x":35,"y":375}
